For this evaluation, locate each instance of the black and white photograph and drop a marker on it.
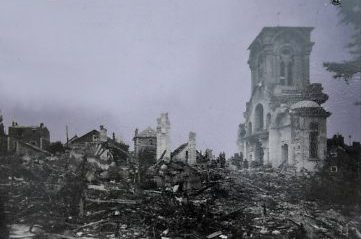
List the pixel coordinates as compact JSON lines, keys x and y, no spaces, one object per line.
{"x":180,"y":119}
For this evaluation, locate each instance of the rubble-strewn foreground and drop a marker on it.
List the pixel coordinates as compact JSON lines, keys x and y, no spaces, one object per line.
{"x":71,"y":198}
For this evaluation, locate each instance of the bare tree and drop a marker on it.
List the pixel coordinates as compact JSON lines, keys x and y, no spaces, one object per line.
{"x":350,"y":12}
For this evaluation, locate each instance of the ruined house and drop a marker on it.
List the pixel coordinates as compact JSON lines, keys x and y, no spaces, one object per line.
{"x":145,"y":145}
{"x":97,"y":143}
{"x":285,"y":124}
{"x":186,"y":152}
{"x":28,"y":139}
{"x":93,"y":137}
{"x":150,"y":140}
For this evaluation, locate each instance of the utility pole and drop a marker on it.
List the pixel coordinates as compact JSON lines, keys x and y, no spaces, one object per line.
{"x":358,"y":103}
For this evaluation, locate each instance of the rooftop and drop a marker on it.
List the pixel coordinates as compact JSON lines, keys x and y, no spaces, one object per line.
{"x":147,"y":133}
{"x":274,"y":30}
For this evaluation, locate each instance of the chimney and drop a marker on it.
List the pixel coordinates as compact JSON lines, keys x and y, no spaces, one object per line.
{"x":163,"y":137}
{"x":192,"y":152}
{"x":67,"y":135}
{"x":136,"y":132}
{"x":103,"y":134}
{"x":192,"y":138}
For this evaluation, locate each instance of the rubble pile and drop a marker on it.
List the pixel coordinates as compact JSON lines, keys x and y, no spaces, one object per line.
{"x":30,"y":191}
{"x":58,"y":199}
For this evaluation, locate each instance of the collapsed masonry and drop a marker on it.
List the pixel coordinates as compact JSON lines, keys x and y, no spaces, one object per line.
{"x":285,"y":124}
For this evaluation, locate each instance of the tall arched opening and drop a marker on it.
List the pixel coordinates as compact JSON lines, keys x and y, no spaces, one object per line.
{"x":313,"y":147}
{"x":258,"y":117}
{"x":285,"y":154}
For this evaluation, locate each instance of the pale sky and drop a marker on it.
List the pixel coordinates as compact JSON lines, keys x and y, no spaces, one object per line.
{"x":121,"y":63}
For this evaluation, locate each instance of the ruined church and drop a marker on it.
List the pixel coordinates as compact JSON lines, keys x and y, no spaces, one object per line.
{"x":285,"y":124}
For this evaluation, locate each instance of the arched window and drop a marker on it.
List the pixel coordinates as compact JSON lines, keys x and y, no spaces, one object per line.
{"x":260,"y":67}
{"x":258,"y":119}
{"x":290,"y":73}
{"x":282,"y":73}
{"x":313,"y":146}
{"x":286,"y":67}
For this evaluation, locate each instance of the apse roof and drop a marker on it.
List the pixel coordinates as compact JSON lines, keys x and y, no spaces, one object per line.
{"x":305,"y":104}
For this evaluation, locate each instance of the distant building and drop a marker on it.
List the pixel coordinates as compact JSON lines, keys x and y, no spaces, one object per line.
{"x":145,"y":145}
{"x":285,"y":124}
{"x":25,"y":139}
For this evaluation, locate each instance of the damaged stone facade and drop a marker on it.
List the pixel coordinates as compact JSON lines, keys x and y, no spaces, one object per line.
{"x":145,"y":145}
{"x":34,"y":136}
{"x":187,"y":152}
{"x":285,"y":124}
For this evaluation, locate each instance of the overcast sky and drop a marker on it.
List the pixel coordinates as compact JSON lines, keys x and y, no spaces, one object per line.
{"x":121,"y":63}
